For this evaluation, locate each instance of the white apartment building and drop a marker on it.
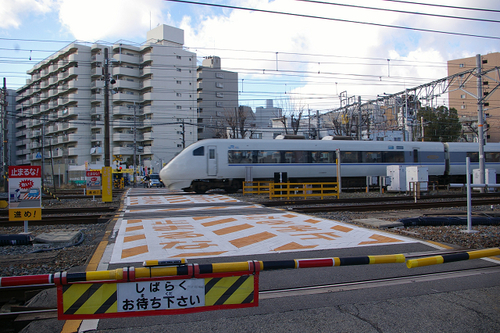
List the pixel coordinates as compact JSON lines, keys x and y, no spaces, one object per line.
{"x":217,"y":91}
{"x":61,"y":108}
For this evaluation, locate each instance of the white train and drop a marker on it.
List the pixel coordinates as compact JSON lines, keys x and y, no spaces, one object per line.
{"x":224,"y":163}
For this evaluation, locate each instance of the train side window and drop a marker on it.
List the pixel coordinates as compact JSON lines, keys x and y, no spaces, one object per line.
{"x":492,"y":157}
{"x":200,"y":151}
{"x":474,"y":157}
{"x":415,"y":155}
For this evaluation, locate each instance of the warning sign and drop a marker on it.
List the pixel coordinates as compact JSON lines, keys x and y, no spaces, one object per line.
{"x":93,"y":180}
{"x":157,"y":297}
{"x":25,"y":196}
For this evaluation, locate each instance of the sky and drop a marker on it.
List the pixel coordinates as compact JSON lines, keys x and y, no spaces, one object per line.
{"x":303,"y":60}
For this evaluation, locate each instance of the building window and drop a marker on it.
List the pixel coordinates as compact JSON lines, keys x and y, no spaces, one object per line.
{"x":179,"y":82}
{"x":178,"y":57}
{"x":179,"y":94}
{"x":219,"y":94}
{"x":462,"y":65}
{"x":462,"y":96}
{"x":463,"y":106}
{"x":178,"y":69}
{"x":219,"y":84}
{"x":219,"y":104}
{"x":219,"y":75}
{"x":179,"y":107}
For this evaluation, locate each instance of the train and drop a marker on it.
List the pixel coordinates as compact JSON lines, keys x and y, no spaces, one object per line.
{"x":226,"y":163}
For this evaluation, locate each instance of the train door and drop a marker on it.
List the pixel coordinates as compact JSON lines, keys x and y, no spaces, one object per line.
{"x":212,"y":161}
{"x":415,"y":156}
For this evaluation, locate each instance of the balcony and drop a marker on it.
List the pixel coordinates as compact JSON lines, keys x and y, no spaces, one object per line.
{"x":148,"y":136}
{"x":67,"y":112}
{"x":126,"y":71}
{"x":123,"y":151}
{"x":127,"y":58}
{"x":97,"y":110}
{"x":62,"y":75}
{"x":123,"y":123}
{"x":96,"y":124}
{"x":148,"y":150}
{"x":146,"y":83}
{"x":125,"y":97}
{"x":147,"y":123}
{"x":68,"y":125}
{"x":124,"y":137}
{"x":127,"y":110}
{"x":70,"y":138}
{"x":124,"y":84}
{"x":97,"y":137}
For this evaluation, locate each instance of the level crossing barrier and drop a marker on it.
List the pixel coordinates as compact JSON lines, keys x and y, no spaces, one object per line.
{"x":304,"y":190}
{"x":176,"y":287}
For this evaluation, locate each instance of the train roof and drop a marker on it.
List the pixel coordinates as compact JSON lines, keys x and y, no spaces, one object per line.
{"x":317,"y":144}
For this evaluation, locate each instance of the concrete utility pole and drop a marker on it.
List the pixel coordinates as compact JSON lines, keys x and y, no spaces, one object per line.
{"x":107,"y":161}
{"x":359,"y":118}
{"x":5,"y":166}
{"x":480,"y":131}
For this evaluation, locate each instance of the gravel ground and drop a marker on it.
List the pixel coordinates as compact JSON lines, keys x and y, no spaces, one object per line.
{"x":18,"y":260}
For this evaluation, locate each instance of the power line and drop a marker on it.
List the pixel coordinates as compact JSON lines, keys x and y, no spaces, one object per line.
{"x":445,"y":6}
{"x":401,"y":11}
{"x":334,"y":19}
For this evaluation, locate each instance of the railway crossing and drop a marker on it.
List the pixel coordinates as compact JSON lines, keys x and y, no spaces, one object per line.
{"x":170,"y":225}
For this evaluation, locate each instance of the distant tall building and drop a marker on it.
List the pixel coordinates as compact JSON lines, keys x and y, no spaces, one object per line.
{"x":217,"y":91}
{"x":466,"y":104}
{"x":264,"y":116}
{"x":61,"y":107}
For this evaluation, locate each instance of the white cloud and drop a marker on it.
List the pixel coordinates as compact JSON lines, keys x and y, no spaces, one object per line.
{"x":333,"y":56}
{"x":93,"y":20}
{"x":12,"y":11}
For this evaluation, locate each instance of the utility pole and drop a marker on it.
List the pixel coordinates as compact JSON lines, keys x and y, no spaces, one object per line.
{"x":480,"y":130}
{"x":107,"y":161}
{"x":135,"y":148}
{"x":359,"y":118}
{"x":4,"y":135}
{"x":183,"y":132}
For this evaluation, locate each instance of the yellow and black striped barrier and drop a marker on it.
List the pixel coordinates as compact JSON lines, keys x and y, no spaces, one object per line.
{"x":445,"y":258}
{"x":51,"y":194}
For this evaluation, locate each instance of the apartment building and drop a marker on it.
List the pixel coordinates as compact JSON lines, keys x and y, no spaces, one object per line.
{"x":152,"y":91}
{"x":217,"y":91}
{"x":465,"y":100}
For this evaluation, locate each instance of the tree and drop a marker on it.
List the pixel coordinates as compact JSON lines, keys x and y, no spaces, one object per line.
{"x":440,"y":124}
{"x":237,"y":121}
{"x":291,"y":109}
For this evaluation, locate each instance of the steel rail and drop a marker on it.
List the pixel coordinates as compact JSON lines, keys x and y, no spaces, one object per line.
{"x":374,"y":283}
{"x":394,"y":206}
{"x":272,"y":203}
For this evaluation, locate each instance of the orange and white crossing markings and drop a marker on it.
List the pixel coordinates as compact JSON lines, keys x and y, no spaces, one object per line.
{"x":179,"y":199}
{"x":212,"y":236}
{"x":209,"y":209}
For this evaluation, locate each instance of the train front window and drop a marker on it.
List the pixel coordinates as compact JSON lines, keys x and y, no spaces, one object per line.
{"x":200,"y":151}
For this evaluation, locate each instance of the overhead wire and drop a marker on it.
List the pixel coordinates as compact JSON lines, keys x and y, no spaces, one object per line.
{"x":334,"y":19}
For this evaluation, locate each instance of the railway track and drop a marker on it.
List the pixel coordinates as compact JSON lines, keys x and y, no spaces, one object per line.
{"x":276,"y":203}
{"x":374,"y":283}
{"x":394,"y":206}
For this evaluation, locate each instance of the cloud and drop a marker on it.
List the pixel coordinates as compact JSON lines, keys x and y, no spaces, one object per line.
{"x":12,"y":11}
{"x":316,"y":59}
{"x":93,"y":20}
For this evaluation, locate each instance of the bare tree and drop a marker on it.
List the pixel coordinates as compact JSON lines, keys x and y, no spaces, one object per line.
{"x":291,"y":109}
{"x":237,"y":121}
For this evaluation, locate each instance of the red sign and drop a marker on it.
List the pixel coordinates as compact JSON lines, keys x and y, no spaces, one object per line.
{"x":25,"y":172}
{"x":93,"y":173}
